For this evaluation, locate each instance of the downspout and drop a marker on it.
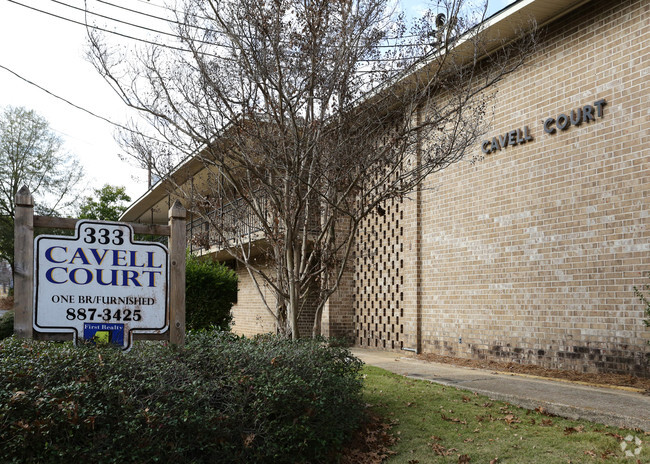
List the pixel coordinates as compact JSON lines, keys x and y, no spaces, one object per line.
{"x":418,"y":243}
{"x":418,"y":239}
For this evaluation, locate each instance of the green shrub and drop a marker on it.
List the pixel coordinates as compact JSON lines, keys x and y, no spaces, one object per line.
{"x":220,"y":399}
{"x":6,"y":324}
{"x":210,"y":292}
{"x":641,"y":293}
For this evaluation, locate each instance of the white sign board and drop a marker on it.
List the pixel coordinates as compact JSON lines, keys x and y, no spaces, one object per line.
{"x":100,"y":285}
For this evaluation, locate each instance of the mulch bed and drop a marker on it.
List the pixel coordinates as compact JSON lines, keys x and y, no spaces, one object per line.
{"x":370,"y":444}
{"x":516,"y":368}
{"x":7,"y":303}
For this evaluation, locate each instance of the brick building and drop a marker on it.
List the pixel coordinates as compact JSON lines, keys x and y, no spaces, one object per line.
{"x":531,"y":253}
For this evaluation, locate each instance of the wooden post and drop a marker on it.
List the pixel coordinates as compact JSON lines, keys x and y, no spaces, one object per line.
{"x":177,"y":215}
{"x":24,"y":263}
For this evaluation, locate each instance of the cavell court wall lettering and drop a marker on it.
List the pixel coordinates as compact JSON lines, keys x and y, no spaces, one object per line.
{"x":551,"y":125}
{"x":512,"y":138}
{"x":575,"y":117}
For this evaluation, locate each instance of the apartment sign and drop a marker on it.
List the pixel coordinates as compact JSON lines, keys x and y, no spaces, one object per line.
{"x":550,"y":125}
{"x":100,"y":285}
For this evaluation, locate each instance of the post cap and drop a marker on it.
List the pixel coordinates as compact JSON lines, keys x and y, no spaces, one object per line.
{"x":177,"y":211}
{"x":24,"y":197}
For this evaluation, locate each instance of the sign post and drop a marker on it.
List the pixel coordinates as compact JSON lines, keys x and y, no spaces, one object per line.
{"x":23,"y":263}
{"x":177,"y":247}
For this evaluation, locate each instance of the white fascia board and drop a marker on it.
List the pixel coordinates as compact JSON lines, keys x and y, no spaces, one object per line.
{"x":504,"y":24}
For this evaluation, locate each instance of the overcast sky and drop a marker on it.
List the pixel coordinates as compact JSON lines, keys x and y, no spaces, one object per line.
{"x":49,"y":51}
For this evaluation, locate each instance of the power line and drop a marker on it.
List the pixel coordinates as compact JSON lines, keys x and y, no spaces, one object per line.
{"x":172,"y":47}
{"x":210,"y":19}
{"x":154,"y":16}
{"x":164,"y":8}
{"x":110,"y":18}
{"x":75,"y":105}
{"x":173,"y":21}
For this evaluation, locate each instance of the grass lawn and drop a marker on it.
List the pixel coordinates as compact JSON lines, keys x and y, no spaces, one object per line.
{"x":434,"y":423}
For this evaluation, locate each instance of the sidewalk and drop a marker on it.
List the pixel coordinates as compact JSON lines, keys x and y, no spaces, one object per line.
{"x":618,"y":406}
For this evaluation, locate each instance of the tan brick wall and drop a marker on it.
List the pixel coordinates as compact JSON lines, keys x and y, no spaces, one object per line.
{"x":249,"y":314}
{"x":531,"y":254}
{"x":338,"y":315}
{"x":338,"y":319}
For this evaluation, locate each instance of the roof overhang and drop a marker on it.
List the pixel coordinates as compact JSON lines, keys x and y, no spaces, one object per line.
{"x":501,"y":28}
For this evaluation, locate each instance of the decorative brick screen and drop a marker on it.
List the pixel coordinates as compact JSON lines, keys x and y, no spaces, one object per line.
{"x":379,"y":303}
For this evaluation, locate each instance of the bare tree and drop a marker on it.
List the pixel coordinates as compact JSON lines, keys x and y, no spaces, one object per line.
{"x":32,"y":155}
{"x":307,"y":116}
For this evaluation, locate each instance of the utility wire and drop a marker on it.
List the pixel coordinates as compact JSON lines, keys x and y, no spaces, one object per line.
{"x":158,"y":44}
{"x":85,"y":110}
{"x":172,"y":47}
{"x":166,"y":8}
{"x":154,"y":16}
{"x":110,"y":18}
{"x":173,"y":21}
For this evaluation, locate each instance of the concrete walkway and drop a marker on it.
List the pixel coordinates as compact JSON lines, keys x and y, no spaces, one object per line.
{"x":618,"y":406}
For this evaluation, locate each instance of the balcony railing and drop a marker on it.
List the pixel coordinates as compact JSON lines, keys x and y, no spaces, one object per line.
{"x":229,"y":224}
{"x":235,"y":221}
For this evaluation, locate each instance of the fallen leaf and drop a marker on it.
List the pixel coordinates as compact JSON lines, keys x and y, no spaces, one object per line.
{"x":547,"y":422}
{"x":494,"y":461}
{"x":22,"y":425}
{"x":438,"y":449}
{"x":441,"y":450}
{"x":590,"y":453}
{"x":452,"y":419}
{"x":248,"y":440}
{"x":463,"y":459}
{"x":511,"y":419}
{"x":16,"y":396}
{"x":570,"y":430}
{"x":544,"y":412}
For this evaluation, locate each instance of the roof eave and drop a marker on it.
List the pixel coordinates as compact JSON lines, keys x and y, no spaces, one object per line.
{"x":499,"y":29}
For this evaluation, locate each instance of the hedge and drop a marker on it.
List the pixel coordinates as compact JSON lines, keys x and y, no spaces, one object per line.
{"x":220,"y":399}
{"x":210,"y":292}
{"x":6,"y":324}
